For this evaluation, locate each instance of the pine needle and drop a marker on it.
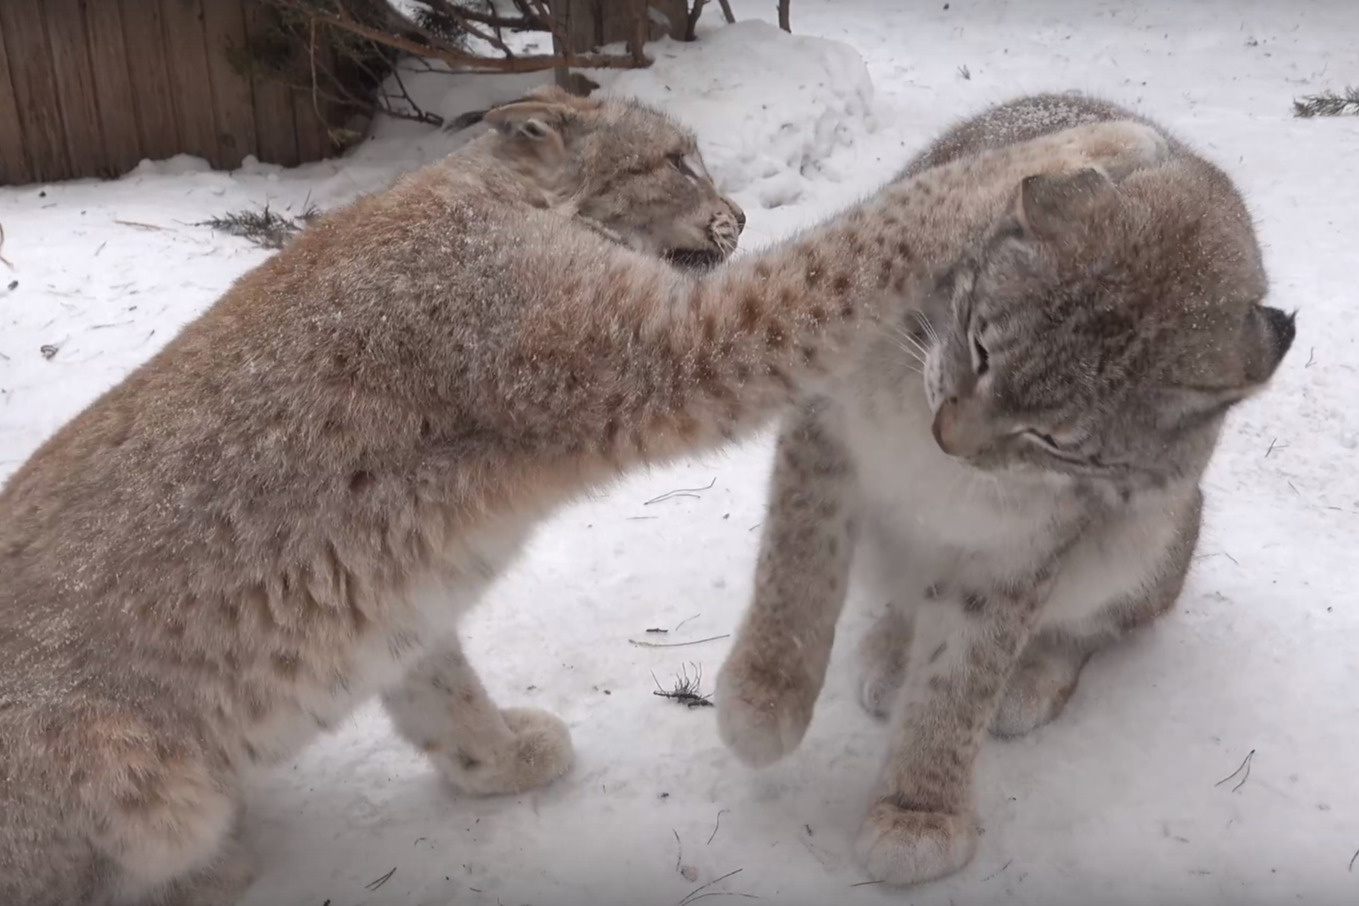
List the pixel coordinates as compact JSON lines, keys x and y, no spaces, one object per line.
{"x":686,"y":692}
{"x":1328,"y":103}
{"x":267,"y":229}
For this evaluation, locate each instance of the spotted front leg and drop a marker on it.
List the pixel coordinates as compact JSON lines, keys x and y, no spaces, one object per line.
{"x":442,"y":709}
{"x":964,"y":647}
{"x":770,"y":682}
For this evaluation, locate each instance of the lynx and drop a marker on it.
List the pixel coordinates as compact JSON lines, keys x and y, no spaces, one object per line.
{"x":286,"y":510}
{"x":1019,"y":465}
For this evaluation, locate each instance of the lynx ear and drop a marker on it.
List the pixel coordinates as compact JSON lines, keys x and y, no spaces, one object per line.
{"x":1267,"y":337}
{"x":1049,"y":203}
{"x":535,"y":130}
{"x":530,"y":120}
{"x":540,"y":115}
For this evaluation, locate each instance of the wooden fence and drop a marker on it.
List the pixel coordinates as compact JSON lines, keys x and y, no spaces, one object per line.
{"x":92,"y":87}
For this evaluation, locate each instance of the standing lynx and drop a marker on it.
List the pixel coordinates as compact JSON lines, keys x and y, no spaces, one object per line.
{"x":286,"y":510}
{"x":1020,"y":464}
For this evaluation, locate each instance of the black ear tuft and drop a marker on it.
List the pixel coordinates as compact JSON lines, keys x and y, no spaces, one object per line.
{"x":463,"y":121}
{"x":1282,"y":328}
{"x":1269,"y":335}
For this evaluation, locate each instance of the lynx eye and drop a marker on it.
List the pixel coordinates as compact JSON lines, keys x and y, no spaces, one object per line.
{"x":1046,"y":440}
{"x":681,"y":163}
{"x":981,"y":359}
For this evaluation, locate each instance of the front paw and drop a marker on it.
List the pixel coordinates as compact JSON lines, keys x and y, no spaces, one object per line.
{"x":898,"y":846}
{"x":1037,"y":693}
{"x":1118,"y":148}
{"x":762,"y":712}
{"x":538,"y":752}
{"x":220,"y":883}
{"x":883,"y":653}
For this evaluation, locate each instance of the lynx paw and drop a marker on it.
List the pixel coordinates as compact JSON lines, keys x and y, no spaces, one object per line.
{"x":883,"y":655}
{"x":1118,"y":148}
{"x":220,"y":883}
{"x":762,"y":713}
{"x":1037,"y":693}
{"x":232,"y":872}
{"x":538,"y":753}
{"x":899,"y":847}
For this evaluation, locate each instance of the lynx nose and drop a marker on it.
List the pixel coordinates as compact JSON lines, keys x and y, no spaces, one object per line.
{"x":942,"y":429}
{"x":739,"y":214}
{"x":954,"y":432}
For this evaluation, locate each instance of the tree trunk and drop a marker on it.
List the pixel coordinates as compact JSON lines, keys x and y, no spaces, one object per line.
{"x":591,"y":23}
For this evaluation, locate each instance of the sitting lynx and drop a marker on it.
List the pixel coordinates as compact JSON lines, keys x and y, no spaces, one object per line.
{"x":1021,"y":464}
{"x":287,"y":509}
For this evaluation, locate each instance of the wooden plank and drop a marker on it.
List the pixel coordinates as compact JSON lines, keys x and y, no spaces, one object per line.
{"x":35,"y":89}
{"x":191,"y":83}
{"x":14,"y":170}
{"x":275,"y":126}
{"x":309,"y":115}
{"x":233,"y":100}
{"x":75,"y":87}
{"x":144,"y":39}
{"x":117,"y":104}
{"x":313,"y":139}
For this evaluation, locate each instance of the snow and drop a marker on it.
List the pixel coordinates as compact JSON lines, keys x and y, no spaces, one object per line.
{"x":770,"y":109}
{"x":1118,"y":801}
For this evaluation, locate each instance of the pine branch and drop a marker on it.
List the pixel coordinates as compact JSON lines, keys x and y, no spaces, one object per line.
{"x":265,"y":228}
{"x":1328,"y":103}
{"x":413,"y":38}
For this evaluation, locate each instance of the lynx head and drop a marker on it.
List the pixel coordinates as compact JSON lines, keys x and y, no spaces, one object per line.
{"x":1103,"y":331}
{"x":623,"y":167}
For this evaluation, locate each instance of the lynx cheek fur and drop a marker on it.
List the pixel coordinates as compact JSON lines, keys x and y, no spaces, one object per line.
{"x":285,"y":511}
{"x":1030,"y":497}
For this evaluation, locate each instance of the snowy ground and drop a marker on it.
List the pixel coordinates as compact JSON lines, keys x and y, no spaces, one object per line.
{"x":1119,"y":800}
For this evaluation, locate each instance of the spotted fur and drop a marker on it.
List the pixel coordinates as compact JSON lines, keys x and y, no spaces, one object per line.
{"x":285,"y":511}
{"x":1029,"y":497}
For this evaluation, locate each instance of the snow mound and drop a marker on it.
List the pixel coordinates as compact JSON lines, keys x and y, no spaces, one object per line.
{"x":768,"y":107}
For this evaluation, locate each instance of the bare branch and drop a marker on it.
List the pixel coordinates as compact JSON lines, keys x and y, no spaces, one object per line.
{"x":431,"y":47}
{"x":555,"y":27}
{"x":492,"y":38}
{"x":526,"y":21}
{"x":344,"y":13}
{"x":418,"y":113}
{"x":691,"y":27}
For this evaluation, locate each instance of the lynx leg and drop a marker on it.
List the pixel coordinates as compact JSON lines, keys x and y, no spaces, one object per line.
{"x":964,"y":647}
{"x":1040,"y":687}
{"x":442,"y":709}
{"x":173,"y":842}
{"x":219,"y":883}
{"x":770,"y":681}
{"x":883,"y":656}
